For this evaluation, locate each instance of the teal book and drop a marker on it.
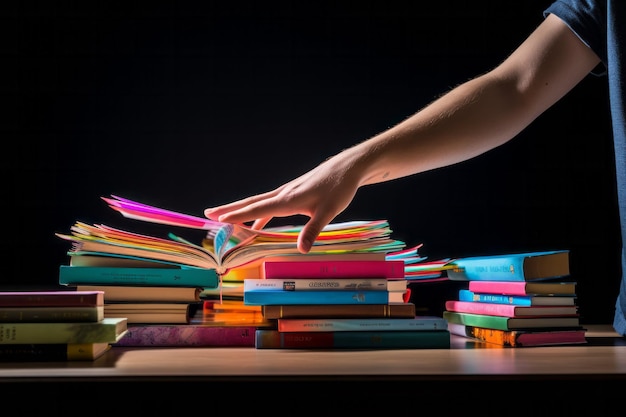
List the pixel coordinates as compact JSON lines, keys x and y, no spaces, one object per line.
{"x":361,"y":324}
{"x":265,"y":297}
{"x":509,"y":323}
{"x":413,"y":339}
{"x":104,"y":275}
{"x":518,"y":300}
{"x":528,"y":266}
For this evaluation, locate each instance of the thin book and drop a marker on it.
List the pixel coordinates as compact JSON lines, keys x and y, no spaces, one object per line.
{"x":53,"y":352}
{"x":524,"y":288}
{"x":322,"y":284}
{"x":509,"y":323}
{"x":520,"y":338}
{"x":510,"y":310}
{"x":393,"y":310}
{"x":320,"y":297}
{"x":130,"y":293}
{"x":51,"y":314}
{"x":51,"y":298}
{"x":364,"y":324}
{"x":108,"y":330}
{"x":521,"y":300}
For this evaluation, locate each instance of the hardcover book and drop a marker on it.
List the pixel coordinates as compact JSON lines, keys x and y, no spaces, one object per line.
{"x":266,"y":297}
{"x":190,"y":335}
{"x":223,"y":245}
{"x":52,"y":352}
{"x":396,"y":310}
{"x":178,"y":277}
{"x":523,"y":288}
{"x":51,"y":298}
{"x":128,"y":293}
{"x":509,"y":310}
{"x":415,"y":339}
{"x":509,"y":323}
{"x":521,"y":300}
{"x":520,"y":338}
{"x":321,"y":284}
{"x":333,"y":269}
{"x":108,"y":330}
{"x":51,"y":314}
{"x":364,"y":324}
{"x":529,"y":266}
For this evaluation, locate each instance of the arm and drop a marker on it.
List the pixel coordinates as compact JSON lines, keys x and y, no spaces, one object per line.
{"x":471,"y":119}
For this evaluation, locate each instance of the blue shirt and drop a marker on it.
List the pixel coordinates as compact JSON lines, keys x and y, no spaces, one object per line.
{"x":601,"y":25}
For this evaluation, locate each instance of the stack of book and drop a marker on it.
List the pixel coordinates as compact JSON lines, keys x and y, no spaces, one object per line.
{"x":56,"y":326}
{"x":340,"y":301}
{"x":516,"y":300}
{"x":224,"y":251}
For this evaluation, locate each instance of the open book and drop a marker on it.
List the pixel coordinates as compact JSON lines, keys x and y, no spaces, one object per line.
{"x":224,"y":245}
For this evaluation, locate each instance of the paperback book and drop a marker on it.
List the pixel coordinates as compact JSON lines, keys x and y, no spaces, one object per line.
{"x":524,"y":288}
{"x":509,"y":323}
{"x":129,"y":293}
{"x":267,"y":297}
{"x":153,"y":312}
{"x":393,"y":310}
{"x":50,"y":314}
{"x":412,"y":339}
{"x":108,"y":330}
{"x":190,"y":335}
{"x":520,"y":338}
{"x":329,"y":284}
{"x":364,"y":324}
{"x":51,"y":298}
{"x":510,"y":310}
{"x":333,"y":269}
{"x":520,"y":300}
{"x":52,"y":352}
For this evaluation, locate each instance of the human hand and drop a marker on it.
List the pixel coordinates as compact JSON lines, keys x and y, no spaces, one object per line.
{"x":321,"y":194}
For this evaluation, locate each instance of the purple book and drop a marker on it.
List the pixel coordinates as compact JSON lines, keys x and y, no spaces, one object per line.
{"x":168,"y":335}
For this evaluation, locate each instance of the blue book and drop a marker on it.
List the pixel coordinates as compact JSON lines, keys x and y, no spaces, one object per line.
{"x":265,"y":297}
{"x":391,"y":339}
{"x":158,"y":277}
{"x":519,"y":300}
{"x":528,"y":266}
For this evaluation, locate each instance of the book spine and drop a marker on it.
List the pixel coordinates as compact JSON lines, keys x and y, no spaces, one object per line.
{"x":104,"y":331}
{"x":51,"y":314}
{"x":311,"y":284}
{"x":333,"y":269}
{"x":315,"y":297}
{"x":495,"y":336}
{"x":273,"y":339}
{"x":343,"y":325}
{"x":402,"y":310}
{"x":470,"y":296}
{"x":49,"y":352}
{"x":129,"y":293}
{"x":498,"y":287}
{"x":181,"y":277}
{"x":509,"y":310}
{"x":52,"y":299}
{"x":189,"y":335}
{"x":493,"y":269}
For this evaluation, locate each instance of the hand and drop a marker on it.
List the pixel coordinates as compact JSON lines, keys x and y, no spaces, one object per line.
{"x":321,"y":194}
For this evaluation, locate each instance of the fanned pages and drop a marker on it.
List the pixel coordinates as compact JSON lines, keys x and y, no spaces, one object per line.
{"x":225,"y":245}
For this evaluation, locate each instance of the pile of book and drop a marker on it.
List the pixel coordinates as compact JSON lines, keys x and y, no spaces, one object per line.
{"x":56,"y":326}
{"x":515,"y":300}
{"x":338,"y":301}
{"x":128,"y":267}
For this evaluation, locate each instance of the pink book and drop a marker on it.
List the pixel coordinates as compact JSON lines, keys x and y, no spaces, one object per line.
{"x":390,"y":269}
{"x":509,"y":310}
{"x":523,"y":288}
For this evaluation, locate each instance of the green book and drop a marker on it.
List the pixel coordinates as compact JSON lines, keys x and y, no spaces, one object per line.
{"x":108,"y":330}
{"x":509,"y":323}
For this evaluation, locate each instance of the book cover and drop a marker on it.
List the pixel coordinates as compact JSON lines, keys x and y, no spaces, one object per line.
{"x":521,"y":300}
{"x":395,"y":310}
{"x":528,"y":266}
{"x":520,"y":338}
{"x":190,"y":335}
{"x":323,"y":284}
{"x":416,"y":339}
{"x":364,"y":324}
{"x":523,"y":288}
{"x":266,"y":297}
{"x":52,"y":352}
{"x":333,"y":269}
{"x":51,"y":314}
{"x":223,"y":246}
{"x":51,"y":298}
{"x":509,"y":310}
{"x":108,"y":330}
{"x":509,"y":323}
{"x":128,"y":293}
{"x":177,"y":277}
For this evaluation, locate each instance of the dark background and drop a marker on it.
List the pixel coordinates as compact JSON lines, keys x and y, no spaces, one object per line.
{"x":189,"y":105}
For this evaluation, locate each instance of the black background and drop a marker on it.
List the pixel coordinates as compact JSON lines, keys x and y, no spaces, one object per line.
{"x":187,"y":105}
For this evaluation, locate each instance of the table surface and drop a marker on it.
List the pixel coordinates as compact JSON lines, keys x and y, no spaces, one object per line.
{"x":603,"y":357}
